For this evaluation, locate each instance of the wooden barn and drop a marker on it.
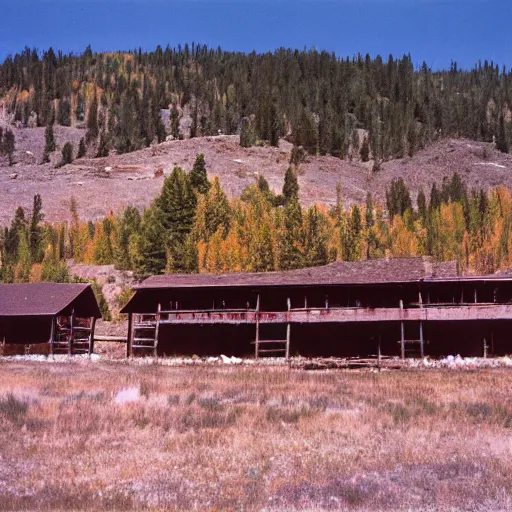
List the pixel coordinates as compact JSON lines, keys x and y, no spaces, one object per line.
{"x":400,"y":306}
{"x":61,"y":315}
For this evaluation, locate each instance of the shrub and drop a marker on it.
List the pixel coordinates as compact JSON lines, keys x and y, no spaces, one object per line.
{"x":13,"y":409}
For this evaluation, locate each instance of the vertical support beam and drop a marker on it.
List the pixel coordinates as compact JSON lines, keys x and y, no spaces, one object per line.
{"x":378,"y":351}
{"x":157,"y":329}
{"x":92,"y":325}
{"x":288,"y":334}
{"x":257,"y":340}
{"x":288,"y":328}
{"x":305,"y":302}
{"x":485,"y":348}
{"x":52,"y":335}
{"x":475,"y":296}
{"x":402,"y":333}
{"x":71,"y":333}
{"x":327,"y":302}
{"x":129,"y":338}
{"x":422,"y":343}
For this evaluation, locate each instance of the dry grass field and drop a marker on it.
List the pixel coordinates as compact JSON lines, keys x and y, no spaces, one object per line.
{"x":123,"y":436}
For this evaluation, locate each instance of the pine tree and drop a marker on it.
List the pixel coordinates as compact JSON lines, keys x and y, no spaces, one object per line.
{"x":67,"y":154}
{"x":247,"y":133}
{"x":351,"y":236}
{"x":24,"y":265}
{"x":103,"y":150}
{"x":92,"y":119}
{"x":13,"y":235}
{"x":54,"y":270}
{"x":290,"y":186}
{"x":435,"y":198}
{"x":177,"y":204}
{"x":315,"y":243}
{"x":297,"y":156}
{"x":129,"y":226}
{"x":412,"y":139}
{"x":365,"y":150}
{"x":175,"y":122}
{"x":198,"y":176}
{"x":81,"y":149}
{"x":191,"y":257}
{"x":9,"y":145}
{"x":369,"y":211}
{"x":36,"y":231}
{"x":49,"y":144}
{"x":291,"y":237}
{"x":422,"y":206}
{"x":502,"y":138}
{"x":151,"y":243}
{"x":275,"y":128}
{"x":398,"y":198}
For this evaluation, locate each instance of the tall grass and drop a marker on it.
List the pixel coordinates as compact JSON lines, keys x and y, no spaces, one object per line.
{"x":253,"y":439}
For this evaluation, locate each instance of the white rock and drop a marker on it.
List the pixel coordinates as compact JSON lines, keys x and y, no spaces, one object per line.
{"x":127,"y":395}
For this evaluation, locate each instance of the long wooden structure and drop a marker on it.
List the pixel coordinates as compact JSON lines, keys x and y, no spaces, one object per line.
{"x":342,"y":307}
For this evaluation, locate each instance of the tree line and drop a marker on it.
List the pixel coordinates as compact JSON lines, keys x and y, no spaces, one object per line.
{"x":193,"y":227}
{"x":359,"y":107}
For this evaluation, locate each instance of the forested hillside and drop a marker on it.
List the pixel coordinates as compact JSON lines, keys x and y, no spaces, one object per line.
{"x":317,"y":100}
{"x":355,"y":109}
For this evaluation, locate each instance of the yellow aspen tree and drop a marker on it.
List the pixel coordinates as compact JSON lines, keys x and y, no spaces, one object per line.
{"x":214,"y":256}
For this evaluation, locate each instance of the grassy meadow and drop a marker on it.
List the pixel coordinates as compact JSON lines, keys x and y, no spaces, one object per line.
{"x":123,"y":436}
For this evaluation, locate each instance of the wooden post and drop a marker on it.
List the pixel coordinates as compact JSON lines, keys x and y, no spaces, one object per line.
{"x":402,"y":333}
{"x":485,"y":348}
{"x":327,"y":302}
{"x":71,"y":333}
{"x":422,"y":343}
{"x":91,"y":335}
{"x":257,"y":340}
{"x":475,"y":295}
{"x":305,"y":302}
{"x":378,"y":351}
{"x":288,"y":334}
{"x":288,"y":328}
{"x":52,"y":335}
{"x":130,"y":336}
{"x":157,"y":328}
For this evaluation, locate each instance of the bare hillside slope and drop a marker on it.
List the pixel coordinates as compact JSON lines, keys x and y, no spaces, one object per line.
{"x":129,"y":179}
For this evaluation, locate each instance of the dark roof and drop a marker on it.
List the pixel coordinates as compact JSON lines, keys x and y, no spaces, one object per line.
{"x":47,"y":299}
{"x":392,"y":270}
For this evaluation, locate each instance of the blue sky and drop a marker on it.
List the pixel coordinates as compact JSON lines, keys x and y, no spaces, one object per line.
{"x":437,"y":31}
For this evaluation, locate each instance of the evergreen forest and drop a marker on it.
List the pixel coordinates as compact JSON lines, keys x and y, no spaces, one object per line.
{"x":317,"y":100}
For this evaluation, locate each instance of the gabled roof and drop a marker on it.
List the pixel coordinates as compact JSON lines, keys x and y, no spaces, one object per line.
{"x":47,"y":299}
{"x":381,"y":271}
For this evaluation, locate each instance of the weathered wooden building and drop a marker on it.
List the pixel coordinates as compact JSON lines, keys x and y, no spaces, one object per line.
{"x":62,"y":315}
{"x":399,"y":306}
